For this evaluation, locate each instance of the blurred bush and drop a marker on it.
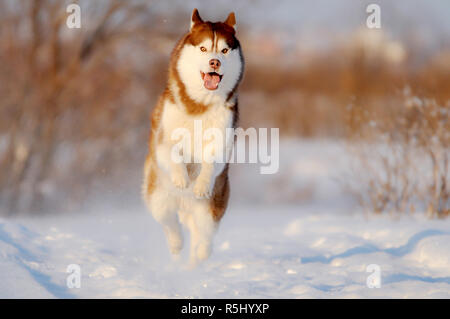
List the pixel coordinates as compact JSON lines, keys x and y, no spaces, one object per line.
{"x":73,"y":103}
{"x":402,"y":161}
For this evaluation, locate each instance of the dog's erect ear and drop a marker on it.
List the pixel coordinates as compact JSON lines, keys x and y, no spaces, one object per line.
{"x":195,"y":19}
{"x":231,"y":20}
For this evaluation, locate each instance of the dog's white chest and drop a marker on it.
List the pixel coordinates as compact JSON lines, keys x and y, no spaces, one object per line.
{"x":177,"y":123}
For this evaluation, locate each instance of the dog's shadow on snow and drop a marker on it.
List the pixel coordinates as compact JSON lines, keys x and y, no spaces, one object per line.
{"x":24,"y":257}
{"x":398,"y":252}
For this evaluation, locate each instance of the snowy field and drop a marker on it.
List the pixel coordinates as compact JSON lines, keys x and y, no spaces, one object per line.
{"x":290,"y":235}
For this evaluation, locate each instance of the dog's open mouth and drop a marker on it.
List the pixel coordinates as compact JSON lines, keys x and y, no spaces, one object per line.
{"x":211,"y":80}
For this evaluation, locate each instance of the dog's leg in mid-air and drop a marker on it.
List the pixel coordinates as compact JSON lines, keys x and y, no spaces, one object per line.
{"x":201,"y":223}
{"x":164,"y":211}
{"x":201,"y":226}
{"x":163,"y":205}
{"x":203,"y":183}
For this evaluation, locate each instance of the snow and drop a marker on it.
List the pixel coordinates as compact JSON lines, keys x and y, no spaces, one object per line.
{"x":279,"y":246}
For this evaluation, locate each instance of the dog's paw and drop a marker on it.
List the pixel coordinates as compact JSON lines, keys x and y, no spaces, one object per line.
{"x":175,"y":246}
{"x":202,"y":189}
{"x":203,"y":251}
{"x":179,"y":180}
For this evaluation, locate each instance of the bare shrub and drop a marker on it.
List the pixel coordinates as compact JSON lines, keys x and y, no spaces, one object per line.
{"x":401,"y":162}
{"x":64,"y":91}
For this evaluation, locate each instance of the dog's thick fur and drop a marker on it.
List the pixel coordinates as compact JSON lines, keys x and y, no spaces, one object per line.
{"x":195,"y":193}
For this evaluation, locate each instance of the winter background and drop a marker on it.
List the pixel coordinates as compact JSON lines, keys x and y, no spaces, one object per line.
{"x":364,"y":151}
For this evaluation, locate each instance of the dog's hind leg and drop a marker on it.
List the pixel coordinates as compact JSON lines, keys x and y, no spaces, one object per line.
{"x":202,"y":228}
{"x":164,"y":209}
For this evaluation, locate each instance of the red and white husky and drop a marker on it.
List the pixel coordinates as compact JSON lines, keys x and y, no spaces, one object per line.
{"x":205,"y":69}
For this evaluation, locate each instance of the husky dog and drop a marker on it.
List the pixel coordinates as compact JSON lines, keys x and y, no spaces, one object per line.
{"x":205,"y":69}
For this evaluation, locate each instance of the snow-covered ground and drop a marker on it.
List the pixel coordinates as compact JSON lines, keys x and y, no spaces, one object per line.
{"x":290,"y":235}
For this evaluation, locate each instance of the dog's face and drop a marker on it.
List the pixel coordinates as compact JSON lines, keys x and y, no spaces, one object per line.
{"x":210,"y":60}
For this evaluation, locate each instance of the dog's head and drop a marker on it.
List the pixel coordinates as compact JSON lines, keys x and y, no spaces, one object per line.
{"x":210,"y":59}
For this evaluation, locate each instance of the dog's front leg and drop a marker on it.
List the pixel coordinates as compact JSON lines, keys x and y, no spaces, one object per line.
{"x":204,"y":182}
{"x":176,"y":169}
{"x":212,"y":165}
{"x":178,"y":175}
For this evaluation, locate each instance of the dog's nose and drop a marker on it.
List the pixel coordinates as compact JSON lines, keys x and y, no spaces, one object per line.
{"x":214,"y":63}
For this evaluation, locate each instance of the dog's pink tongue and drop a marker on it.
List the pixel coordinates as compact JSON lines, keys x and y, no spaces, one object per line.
{"x":211,"y":81}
